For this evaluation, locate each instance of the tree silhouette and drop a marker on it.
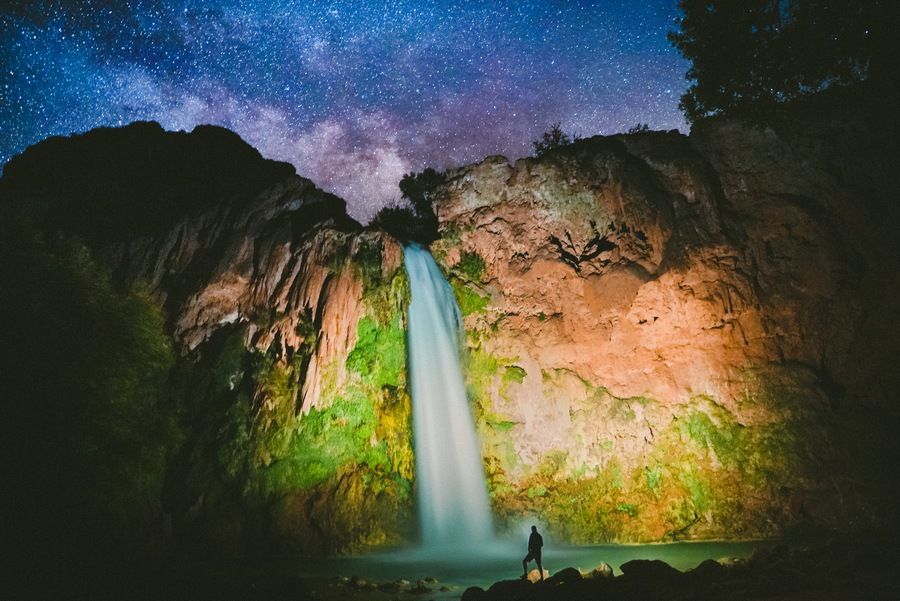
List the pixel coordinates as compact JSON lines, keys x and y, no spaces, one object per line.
{"x":554,"y":138}
{"x":418,"y":223}
{"x":747,"y":56}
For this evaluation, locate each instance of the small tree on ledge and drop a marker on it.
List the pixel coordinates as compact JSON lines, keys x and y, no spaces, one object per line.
{"x":554,"y":138}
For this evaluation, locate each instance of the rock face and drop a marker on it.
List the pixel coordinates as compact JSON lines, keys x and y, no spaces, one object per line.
{"x":671,"y":337}
{"x":667,"y":336}
{"x":289,"y":320}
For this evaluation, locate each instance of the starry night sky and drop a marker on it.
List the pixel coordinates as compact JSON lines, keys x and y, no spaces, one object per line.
{"x":354,"y":94}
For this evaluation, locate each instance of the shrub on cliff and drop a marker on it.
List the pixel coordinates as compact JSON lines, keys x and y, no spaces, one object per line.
{"x":554,"y":138}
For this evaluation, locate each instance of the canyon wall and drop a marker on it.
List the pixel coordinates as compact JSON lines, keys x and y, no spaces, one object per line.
{"x":287,"y":321}
{"x":666,"y":336}
{"x":674,"y":336}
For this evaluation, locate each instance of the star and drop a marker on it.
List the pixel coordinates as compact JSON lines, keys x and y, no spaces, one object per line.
{"x":354,"y":94}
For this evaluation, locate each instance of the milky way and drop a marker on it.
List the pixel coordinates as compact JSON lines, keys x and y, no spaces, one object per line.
{"x":354,"y":94}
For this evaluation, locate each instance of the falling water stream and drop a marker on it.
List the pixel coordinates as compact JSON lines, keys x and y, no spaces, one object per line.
{"x":452,"y":494}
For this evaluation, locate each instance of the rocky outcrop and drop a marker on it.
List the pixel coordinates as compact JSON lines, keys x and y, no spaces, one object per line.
{"x":668,"y":334}
{"x":287,"y":316}
{"x":821,"y":569}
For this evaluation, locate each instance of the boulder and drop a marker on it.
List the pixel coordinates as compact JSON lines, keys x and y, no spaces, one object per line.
{"x":602,"y":571}
{"x":565,"y":576}
{"x":708,"y":570}
{"x":649,"y":570}
{"x":474,"y":593}
{"x":510,"y":590}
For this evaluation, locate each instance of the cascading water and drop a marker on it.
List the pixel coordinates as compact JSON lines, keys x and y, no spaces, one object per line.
{"x":452,"y":494}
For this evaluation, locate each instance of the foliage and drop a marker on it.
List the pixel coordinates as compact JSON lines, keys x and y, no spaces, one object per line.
{"x":638,"y":128}
{"x":471,"y":265}
{"x":552,"y":139}
{"x":418,"y":223}
{"x":379,"y":356}
{"x":470,"y":302}
{"x":86,"y":428}
{"x":400,"y":222}
{"x":746,"y":56}
{"x":419,"y":188}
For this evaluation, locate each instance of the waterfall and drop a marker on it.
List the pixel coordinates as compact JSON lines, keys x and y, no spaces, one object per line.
{"x":452,"y":494}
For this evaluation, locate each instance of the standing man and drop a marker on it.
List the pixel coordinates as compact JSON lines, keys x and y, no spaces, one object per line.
{"x":535,"y":542}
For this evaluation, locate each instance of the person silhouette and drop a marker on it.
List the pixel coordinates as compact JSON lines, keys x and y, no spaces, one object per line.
{"x":535,"y":542}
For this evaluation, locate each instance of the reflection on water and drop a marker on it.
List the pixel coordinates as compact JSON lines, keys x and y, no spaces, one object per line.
{"x":503,"y":561}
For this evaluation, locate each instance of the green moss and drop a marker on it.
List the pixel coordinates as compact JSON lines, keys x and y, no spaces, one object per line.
{"x":701,"y":473}
{"x":725,"y":438}
{"x":629,"y":509}
{"x":654,"y":478}
{"x":470,"y":302}
{"x":537,"y":491}
{"x":514,"y":373}
{"x":480,"y":368}
{"x":388,"y":300}
{"x":277,"y":386}
{"x":697,"y":487}
{"x":367,"y":263}
{"x":620,"y":409}
{"x":379,"y":356}
{"x":552,"y":464}
{"x":498,"y":423}
{"x":471,"y":265}
{"x":325,"y":440}
{"x":251,"y":443}
{"x":338,"y":258}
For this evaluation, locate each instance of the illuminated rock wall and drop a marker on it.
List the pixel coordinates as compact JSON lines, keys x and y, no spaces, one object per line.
{"x":292,"y":381}
{"x":668,"y":337}
{"x":672,"y":337}
{"x":288,"y":395}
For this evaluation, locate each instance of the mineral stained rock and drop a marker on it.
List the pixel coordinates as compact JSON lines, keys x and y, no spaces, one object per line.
{"x":672,"y":336}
